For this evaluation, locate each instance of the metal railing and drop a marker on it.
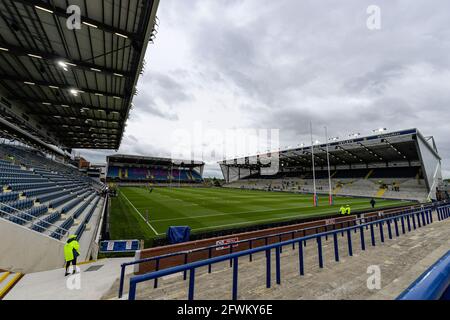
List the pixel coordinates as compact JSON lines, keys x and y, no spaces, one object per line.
{"x":433,"y":284}
{"x":407,"y":221}
{"x":251,"y":241}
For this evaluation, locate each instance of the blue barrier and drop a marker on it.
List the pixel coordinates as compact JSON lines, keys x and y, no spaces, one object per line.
{"x":119,"y":246}
{"x":230,"y":248}
{"x":433,"y":284}
{"x":252,"y":240}
{"x":234,"y":257}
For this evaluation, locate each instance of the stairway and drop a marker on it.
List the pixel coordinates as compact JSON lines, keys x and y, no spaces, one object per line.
{"x":7,"y":281}
{"x":381,"y":192}
{"x":369,"y":174}
{"x":336,"y":190}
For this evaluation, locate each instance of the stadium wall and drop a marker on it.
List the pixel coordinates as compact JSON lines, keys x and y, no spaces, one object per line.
{"x":26,"y":251}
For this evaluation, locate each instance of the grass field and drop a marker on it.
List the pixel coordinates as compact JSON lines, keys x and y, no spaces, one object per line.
{"x":212,"y":209}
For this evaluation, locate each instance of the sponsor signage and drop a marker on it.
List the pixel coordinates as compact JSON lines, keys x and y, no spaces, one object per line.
{"x":225,"y":244}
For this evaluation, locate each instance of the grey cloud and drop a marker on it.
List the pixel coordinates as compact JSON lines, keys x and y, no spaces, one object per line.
{"x":289,"y":62}
{"x":159,"y":94}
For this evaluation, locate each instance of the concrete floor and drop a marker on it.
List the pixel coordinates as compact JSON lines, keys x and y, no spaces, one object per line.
{"x":52,"y":285}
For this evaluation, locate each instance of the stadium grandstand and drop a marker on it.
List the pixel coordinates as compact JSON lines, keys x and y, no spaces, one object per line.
{"x":126,"y":169}
{"x":66,"y":87}
{"x":396,"y":165}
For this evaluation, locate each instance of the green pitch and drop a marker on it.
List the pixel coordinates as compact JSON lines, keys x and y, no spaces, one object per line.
{"x":206,"y":209}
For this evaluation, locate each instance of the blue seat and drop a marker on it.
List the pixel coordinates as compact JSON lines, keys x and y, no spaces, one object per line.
{"x":42,"y":225}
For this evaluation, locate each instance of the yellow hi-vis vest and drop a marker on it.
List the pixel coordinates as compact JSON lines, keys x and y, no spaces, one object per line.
{"x":342,"y":210}
{"x":348,"y":210}
{"x":69,"y":247}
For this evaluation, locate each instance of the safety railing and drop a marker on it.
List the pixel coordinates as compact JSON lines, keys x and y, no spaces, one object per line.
{"x":433,"y":284}
{"x":250,"y":242}
{"x":34,"y":220}
{"x":408,"y":221}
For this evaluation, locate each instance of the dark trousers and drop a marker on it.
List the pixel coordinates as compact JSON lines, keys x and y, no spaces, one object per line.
{"x":74,"y":263}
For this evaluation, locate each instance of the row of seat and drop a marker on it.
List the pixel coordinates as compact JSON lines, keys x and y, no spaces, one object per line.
{"x":28,"y":215}
{"x":11,"y":170}
{"x":63,"y":228}
{"x":59,"y":201}
{"x":15,"y":180}
{"x":28,"y":186}
{"x":21,"y":174}
{"x":44,"y":224}
{"x":73,"y":203}
{"x":8,"y":196}
{"x":54,"y":195}
{"x":40,"y":191}
{"x":16,"y":205}
{"x":9,"y":166}
{"x":82,"y":226}
{"x":81,"y":209}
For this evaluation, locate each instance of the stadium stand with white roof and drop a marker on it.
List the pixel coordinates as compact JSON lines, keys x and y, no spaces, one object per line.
{"x":398,"y":165}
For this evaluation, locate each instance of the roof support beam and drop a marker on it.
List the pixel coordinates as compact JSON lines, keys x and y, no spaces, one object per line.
{"x":88,"y":22}
{"x":60,"y":103}
{"x":78,"y":126}
{"x":59,"y":86}
{"x":86,"y":66}
{"x":81,"y":117}
{"x":372,"y":152}
{"x":354,"y":156}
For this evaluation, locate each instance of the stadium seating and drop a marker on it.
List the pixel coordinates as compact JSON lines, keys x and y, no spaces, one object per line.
{"x":16,"y":205}
{"x":28,"y":215}
{"x":38,"y":191}
{"x":62,"y":230}
{"x":43,"y":225}
{"x":82,"y":227}
{"x":159,"y":175}
{"x":392,"y":183}
{"x":81,"y":209}
{"x":8,"y":196}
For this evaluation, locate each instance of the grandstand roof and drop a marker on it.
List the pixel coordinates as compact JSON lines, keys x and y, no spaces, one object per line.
{"x":77,"y":85}
{"x":155,"y":161}
{"x":399,"y":146}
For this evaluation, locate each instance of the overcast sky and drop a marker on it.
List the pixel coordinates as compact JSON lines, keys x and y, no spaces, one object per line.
{"x":258,"y":64}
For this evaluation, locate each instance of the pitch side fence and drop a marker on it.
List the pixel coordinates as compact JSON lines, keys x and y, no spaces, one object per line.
{"x":406,"y":222}
{"x":253,"y":242}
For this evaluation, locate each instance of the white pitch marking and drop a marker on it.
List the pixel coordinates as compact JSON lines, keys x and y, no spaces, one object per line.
{"x":141,"y":215}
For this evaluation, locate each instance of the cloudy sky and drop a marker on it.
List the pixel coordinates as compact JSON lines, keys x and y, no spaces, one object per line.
{"x":255,"y":64}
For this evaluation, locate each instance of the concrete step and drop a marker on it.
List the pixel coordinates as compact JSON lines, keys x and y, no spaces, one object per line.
{"x":400,"y":260}
{"x":7,"y":281}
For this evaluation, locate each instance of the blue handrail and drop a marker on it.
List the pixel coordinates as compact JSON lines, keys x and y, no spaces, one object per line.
{"x":250,"y":242}
{"x":433,"y":284}
{"x":425,"y":215}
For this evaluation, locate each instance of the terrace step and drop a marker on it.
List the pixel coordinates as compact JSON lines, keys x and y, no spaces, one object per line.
{"x":7,"y":281}
{"x":400,"y":261}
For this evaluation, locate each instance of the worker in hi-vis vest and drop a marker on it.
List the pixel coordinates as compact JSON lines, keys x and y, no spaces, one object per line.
{"x":71,"y":252}
{"x":348,"y":209}
{"x":342,"y":210}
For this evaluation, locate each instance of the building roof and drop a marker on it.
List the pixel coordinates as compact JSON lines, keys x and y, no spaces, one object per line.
{"x":398,"y":146}
{"x":76,"y":85}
